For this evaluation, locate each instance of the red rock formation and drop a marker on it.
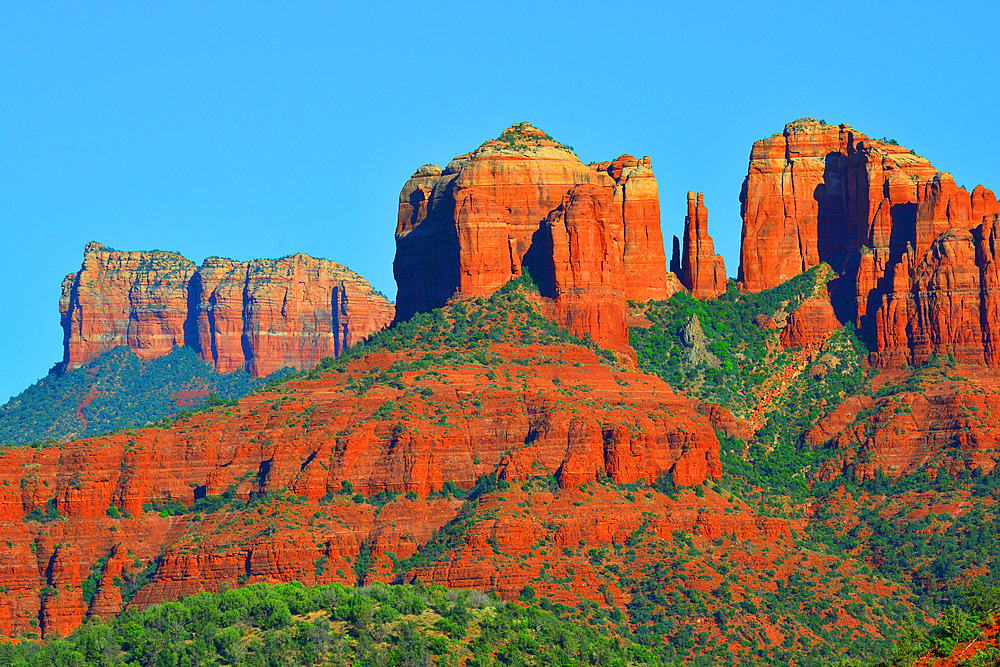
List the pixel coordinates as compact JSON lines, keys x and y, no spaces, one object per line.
{"x":702,"y":271}
{"x":139,"y":299}
{"x":949,"y":420}
{"x":587,"y":240}
{"x":261,"y":315}
{"x":637,"y":193}
{"x":572,"y":417}
{"x":725,"y":421}
{"x":909,"y":244}
{"x":469,"y":229}
{"x":289,"y":312}
{"x":940,"y":296}
{"x":945,"y":305}
{"x":811,"y":323}
{"x":816,"y":193}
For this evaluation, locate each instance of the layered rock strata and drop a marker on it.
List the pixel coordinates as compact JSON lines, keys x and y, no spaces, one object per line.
{"x":702,"y":271}
{"x":262,"y":315}
{"x":913,"y":251}
{"x":322,"y":441}
{"x":522,"y":202}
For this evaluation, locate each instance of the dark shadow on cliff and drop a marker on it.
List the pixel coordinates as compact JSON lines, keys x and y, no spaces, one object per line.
{"x":426,"y":266}
{"x":538,"y":261}
{"x":902,"y":234}
{"x":194,"y":289}
{"x":837,"y":220}
{"x":743,"y":234}
{"x":834,"y":233}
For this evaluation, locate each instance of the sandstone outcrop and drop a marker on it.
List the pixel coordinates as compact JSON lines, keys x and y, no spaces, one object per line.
{"x":912,"y":249}
{"x":468,"y":229}
{"x":818,"y":193}
{"x":702,"y":271}
{"x":261,"y":315}
{"x":138,"y":299}
{"x":586,"y":236}
{"x":811,"y":323}
{"x":947,"y":420}
{"x":380,"y":424}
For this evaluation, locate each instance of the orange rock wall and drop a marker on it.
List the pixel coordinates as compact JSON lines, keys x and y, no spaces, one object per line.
{"x":587,"y":241}
{"x":912,"y":249}
{"x":261,"y":315}
{"x":139,"y":299}
{"x":572,"y":417}
{"x":470,"y":228}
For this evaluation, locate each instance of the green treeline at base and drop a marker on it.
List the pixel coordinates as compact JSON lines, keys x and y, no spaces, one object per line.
{"x":332,"y":625}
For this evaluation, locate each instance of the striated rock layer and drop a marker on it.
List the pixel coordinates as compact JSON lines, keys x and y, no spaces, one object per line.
{"x":588,"y":234}
{"x":263,"y":315}
{"x":913,"y":251}
{"x":380,"y":423}
{"x":702,"y":271}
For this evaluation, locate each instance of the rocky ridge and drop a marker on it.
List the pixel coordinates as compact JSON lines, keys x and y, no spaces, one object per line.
{"x":261,"y":315}
{"x":412,"y":422}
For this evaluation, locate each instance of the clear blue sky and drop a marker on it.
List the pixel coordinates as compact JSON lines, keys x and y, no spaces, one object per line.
{"x":264,"y":128}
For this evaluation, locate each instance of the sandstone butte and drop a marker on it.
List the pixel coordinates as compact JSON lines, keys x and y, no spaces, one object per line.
{"x":915,"y":253}
{"x":703,"y":272}
{"x":384,"y":422}
{"x":262,"y":315}
{"x":588,"y":234}
{"x":410,"y":420}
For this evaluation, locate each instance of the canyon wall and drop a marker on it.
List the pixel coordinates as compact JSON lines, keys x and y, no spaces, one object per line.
{"x":912,"y":250}
{"x":262,"y":315}
{"x":588,"y":234}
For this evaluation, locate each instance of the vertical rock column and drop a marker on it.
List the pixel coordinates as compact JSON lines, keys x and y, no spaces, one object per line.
{"x":702,"y":271}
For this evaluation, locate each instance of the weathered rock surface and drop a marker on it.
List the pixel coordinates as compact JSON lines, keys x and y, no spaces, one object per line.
{"x":913,"y":250}
{"x":587,"y":239}
{"x":572,"y":417}
{"x":468,"y":229}
{"x":262,"y":315}
{"x":812,"y":322}
{"x":702,"y":271}
{"x":139,"y":299}
{"x":946,"y":419}
{"x":818,"y":193}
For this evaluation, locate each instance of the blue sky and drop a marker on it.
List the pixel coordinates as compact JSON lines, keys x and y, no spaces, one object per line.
{"x":260,"y":129}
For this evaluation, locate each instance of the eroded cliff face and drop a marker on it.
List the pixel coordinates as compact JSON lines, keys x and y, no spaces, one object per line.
{"x":138,"y":299}
{"x":911,"y":248}
{"x":470,"y":228}
{"x":394,"y":422}
{"x":702,"y":271}
{"x":261,"y":315}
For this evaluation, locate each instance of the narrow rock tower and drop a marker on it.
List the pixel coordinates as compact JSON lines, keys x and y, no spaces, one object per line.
{"x":702,"y":271}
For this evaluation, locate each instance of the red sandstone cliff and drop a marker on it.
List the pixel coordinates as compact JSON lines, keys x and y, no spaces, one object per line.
{"x":470,"y":228}
{"x":702,"y":271}
{"x":138,"y":299}
{"x":912,"y":248}
{"x":574,"y":418}
{"x":586,"y":236}
{"x":261,"y":315}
